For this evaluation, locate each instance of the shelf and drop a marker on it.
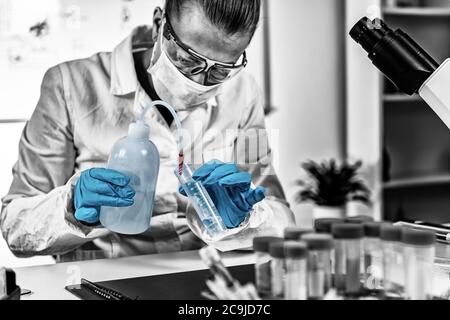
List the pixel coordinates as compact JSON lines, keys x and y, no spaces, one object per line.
{"x":418,"y":182}
{"x":418,"y":11}
{"x":8,"y":121}
{"x":397,"y":97}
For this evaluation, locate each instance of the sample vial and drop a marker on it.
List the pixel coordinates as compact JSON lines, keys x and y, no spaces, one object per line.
{"x":320,"y":248}
{"x":203,"y":205}
{"x":372,"y":262}
{"x":324,"y":225}
{"x":359,"y":219}
{"x":295,"y":233}
{"x":418,"y":256}
{"x":347,"y":248}
{"x":262,"y":265}
{"x":295,"y":286}
{"x":277,"y":268}
{"x":393,"y":279}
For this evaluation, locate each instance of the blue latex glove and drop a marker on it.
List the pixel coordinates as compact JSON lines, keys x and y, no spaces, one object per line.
{"x":230,"y":190}
{"x":100,"y":187}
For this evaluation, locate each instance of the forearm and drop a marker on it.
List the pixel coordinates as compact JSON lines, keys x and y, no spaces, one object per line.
{"x":44,"y":224}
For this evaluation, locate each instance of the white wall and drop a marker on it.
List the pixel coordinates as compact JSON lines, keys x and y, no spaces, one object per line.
{"x":364,"y":123}
{"x":308,"y":86}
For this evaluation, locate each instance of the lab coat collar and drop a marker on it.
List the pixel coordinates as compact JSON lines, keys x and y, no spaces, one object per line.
{"x":123,"y":74}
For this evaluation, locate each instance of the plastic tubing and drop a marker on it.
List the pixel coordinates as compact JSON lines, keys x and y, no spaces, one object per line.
{"x":175,"y":117}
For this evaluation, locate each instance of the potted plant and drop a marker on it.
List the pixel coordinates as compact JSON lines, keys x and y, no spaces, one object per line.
{"x":331,"y":186}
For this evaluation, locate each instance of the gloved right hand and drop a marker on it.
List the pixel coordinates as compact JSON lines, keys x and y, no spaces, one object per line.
{"x":100,"y":187}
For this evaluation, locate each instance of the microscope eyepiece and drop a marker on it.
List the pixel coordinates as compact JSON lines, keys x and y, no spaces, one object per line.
{"x":395,"y":54}
{"x":368,"y":33}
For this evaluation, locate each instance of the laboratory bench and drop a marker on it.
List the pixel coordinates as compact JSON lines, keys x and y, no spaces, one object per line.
{"x":48,"y":282}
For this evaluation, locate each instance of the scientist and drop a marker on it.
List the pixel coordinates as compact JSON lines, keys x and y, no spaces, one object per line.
{"x":194,"y":59}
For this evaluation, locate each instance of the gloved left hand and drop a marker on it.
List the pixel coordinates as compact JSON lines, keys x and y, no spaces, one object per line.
{"x":230,"y":190}
{"x":99,"y":187}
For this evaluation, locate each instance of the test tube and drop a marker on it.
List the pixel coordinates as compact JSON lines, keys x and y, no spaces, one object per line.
{"x":392,"y":248}
{"x":295,"y":286}
{"x":372,"y":262}
{"x":295,"y":233}
{"x":347,"y":257}
{"x":262,"y":265}
{"x":419,"y":254}
{"x":203,"y":205}
{"x":320,"y":247}
{"x":277,"y":268}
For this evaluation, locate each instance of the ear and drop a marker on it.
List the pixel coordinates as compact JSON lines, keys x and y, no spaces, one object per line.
{"x":157,"y":19}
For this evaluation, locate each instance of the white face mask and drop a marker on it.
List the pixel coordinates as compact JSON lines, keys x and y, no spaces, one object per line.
{"x":175,"y":88}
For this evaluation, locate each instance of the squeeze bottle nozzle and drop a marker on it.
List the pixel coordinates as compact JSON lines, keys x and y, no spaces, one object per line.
{"x":139,"y":130}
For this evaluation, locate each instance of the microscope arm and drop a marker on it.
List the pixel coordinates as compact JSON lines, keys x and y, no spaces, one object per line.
{"x":436,"y":92}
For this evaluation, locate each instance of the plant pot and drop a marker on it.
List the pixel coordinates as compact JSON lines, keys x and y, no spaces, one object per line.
{"x":322,"y":212}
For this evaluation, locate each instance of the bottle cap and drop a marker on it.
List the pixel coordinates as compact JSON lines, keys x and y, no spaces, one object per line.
{"x":347,"y":231}
{"x":391,"y":233}
{"x":295,"y":249}
{"x":294,"y":233}
{"x":418,"y":237}
{"x":277,"y":249}
{"x":261,"y":244}
{"x":372,"y":229}
{"x":318,"y":241}
{"x":324,"y":225}
{"x":139,"y":130}
{"x":359,"y":219}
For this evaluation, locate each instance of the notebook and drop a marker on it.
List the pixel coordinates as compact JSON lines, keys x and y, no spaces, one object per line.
{"x":175,"y":286}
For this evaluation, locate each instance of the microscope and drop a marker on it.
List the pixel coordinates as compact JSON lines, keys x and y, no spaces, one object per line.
{"x":406,"y":64}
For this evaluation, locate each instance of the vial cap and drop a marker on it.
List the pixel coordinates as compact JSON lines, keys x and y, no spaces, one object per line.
{"x":372,"y":229}
{"x":324,"y":225}
{"x":294,"y":233}
{"x":391,"y":233}
{"x":296,"y":250}
{"x":261,"y":244}
{"x":318,"y":241}
{"x":277,"y":250}
{"x":348,"y":231}
{"x":418,"y":237}
{"x":359,"y":219}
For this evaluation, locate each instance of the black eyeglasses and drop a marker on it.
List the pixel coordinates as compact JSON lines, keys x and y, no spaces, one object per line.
{"x":191,"y":63}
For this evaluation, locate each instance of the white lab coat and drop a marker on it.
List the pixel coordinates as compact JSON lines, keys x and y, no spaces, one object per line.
{"x":85,"y":107}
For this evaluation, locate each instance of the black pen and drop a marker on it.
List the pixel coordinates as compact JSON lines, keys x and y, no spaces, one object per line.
{"x":104,"y":292}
